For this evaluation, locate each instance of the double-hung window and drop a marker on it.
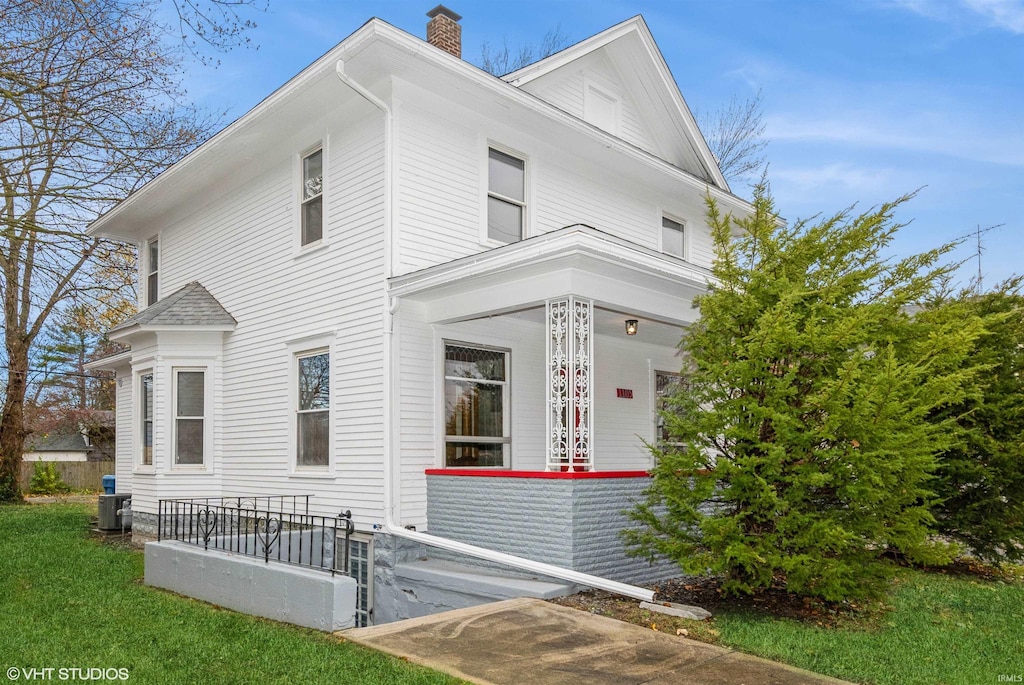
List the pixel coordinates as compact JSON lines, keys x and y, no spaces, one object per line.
{"x":313,"y":197}
{"x":152,"y":273}
{"x":673,"y":234}
{"x":312,"y":416}
{"x":665,"y":386}
{"x":506,"y":196}
{"x":476,"y":406}
{"x":189,"y":416}
{"x":146,"y":419}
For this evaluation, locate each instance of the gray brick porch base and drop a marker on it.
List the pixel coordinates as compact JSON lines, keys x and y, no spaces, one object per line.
{"x":567,"y":520}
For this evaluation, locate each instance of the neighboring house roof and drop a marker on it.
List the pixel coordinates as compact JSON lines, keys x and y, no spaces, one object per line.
{"x":56,"y":442}
{"x":190,"y":307}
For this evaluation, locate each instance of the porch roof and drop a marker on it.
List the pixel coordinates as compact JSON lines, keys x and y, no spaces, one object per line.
{"x":575,"y":260}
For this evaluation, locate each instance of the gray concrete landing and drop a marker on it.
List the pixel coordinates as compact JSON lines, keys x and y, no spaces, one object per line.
{"x":531,"y":641}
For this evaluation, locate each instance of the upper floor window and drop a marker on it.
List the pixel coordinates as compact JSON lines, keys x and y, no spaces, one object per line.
{"x":476,"y":406}
{"x":672,"y":237}
{"x":146,"y":419}
{"x":312,"y":197}
{"x":152,"y":270}
{"x":189,"y":416}
{"x":313,"y":410}
{"x":506,"y":196}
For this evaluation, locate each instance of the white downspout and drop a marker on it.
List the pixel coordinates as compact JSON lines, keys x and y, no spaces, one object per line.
{"x":391,"y":482}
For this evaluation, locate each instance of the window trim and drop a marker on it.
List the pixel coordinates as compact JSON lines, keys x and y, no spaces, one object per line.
{"x":305,"y":347}
{"x":204,"y":464}
{"x":685,"y":256}
{"x":524,"y":229}
{"x":506,"y":401}
{"x":139,"y":458}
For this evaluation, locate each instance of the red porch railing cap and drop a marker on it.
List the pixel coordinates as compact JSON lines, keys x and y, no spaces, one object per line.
{"x":503,"y":473}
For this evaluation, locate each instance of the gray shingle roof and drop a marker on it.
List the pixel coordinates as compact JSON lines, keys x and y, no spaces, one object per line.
{"x":56,"y":442}
{"x":192,"y":305}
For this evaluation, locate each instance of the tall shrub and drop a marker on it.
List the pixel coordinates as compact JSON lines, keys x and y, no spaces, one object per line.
{"x":801,"y":446}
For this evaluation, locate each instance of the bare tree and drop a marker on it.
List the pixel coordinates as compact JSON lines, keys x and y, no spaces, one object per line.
{"x":504,"y":59}
{"x":735,"y":134}
{"x":90,"y":109}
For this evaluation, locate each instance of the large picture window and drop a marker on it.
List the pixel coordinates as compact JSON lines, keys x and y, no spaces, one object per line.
{"x":506,"y":196}
{"x":189,"y":416}
{"x":313,"y":197}
{"x":313,"y":412}
{"x":476,"y":406}
{"x":146,"y":417}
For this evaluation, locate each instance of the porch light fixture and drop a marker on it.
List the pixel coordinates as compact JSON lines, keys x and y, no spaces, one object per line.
{"x":631,"y":326}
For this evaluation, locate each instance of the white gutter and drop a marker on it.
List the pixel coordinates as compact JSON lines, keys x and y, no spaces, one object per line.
{"x":390,"y":462}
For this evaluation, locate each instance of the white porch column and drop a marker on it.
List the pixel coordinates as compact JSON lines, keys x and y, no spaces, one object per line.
{"x":570,"y":354}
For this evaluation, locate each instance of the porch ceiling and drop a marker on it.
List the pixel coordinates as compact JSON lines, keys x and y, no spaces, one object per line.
{"x":615,"y":274}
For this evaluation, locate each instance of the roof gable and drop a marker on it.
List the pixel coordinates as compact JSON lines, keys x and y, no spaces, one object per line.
{"x":622,"y":70}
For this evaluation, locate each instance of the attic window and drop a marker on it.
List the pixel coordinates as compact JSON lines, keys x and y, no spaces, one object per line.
{"x":601,"y":108}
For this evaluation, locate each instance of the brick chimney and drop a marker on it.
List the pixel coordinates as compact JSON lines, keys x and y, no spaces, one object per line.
{"x":443,"y":30}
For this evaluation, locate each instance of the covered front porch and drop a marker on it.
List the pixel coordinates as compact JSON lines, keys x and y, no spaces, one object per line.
{"x":542,"y":364}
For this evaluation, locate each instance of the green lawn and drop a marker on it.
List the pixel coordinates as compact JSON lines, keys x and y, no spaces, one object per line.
{"x":69,"y":602}
{"x":941,"y":630}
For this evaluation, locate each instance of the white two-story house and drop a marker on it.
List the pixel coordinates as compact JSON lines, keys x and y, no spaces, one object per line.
{"x":444,"y":301}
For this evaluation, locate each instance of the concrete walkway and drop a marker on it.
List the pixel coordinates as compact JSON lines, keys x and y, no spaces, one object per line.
{"x":531,"y":641}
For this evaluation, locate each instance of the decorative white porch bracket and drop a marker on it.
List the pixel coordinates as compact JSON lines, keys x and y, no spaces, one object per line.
{"x":570,"y":400}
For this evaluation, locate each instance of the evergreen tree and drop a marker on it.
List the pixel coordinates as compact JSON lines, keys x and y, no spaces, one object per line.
{"x":980,"y":479}
{"x":801,"y":442}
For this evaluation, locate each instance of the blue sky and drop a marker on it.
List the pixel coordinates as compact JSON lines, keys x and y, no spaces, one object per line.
{"x":864,"y":100}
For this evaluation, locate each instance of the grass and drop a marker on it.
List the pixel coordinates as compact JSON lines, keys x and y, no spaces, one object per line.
{"x":937,"y":630}
{"x":933,"y":629}
{"x":70,"y":602}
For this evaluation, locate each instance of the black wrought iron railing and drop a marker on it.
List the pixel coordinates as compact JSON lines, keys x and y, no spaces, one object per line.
{"x":275,"y":528}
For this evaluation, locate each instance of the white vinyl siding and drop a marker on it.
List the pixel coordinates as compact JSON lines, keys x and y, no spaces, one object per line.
{"x":269,"y":292}
{"x":443,"y":189}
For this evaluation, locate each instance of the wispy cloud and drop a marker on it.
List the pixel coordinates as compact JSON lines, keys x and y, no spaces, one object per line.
{"x":847,"y":177}
{"x":924,"y":132}
{"x":1007,"y":15}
